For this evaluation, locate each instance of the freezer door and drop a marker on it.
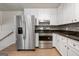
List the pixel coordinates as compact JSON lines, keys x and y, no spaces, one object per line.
{"x":19,"y":33}
{"x":19,"y":42}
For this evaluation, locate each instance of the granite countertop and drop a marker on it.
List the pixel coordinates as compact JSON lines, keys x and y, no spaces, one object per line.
{"x":69,"y":34}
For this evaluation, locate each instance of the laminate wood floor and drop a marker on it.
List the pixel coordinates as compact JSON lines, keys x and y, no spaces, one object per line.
{"x":11,"y":51}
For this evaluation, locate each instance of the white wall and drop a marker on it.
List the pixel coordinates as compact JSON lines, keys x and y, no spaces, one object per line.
{"x":8,"y":19}
{"x":0,"y":20}
{"x":43,"y":14}
{"x":8,"y":25}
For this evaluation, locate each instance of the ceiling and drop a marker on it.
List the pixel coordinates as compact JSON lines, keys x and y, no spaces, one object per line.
{"x":21,"y":6}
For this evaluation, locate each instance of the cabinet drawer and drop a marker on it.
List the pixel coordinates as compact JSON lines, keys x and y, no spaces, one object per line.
{"x":45,"y":45}
{"x":45,"y":42}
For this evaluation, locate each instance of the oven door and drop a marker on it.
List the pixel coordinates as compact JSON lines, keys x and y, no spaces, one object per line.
{"x":45,"y":41}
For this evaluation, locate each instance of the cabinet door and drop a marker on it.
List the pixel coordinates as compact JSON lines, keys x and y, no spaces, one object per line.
{"x":72,"y":52}
{"x":63,"y":45}
{"x":68,"y":13}
{"x":74,"y":44}
{"x":57,"y":41}
{"x":65,"y":12}
{"x":60,"y":15}
{"x":76,"y":19}
{"x":37,"y":40}
{"x":54,"y":40}
{"x":60,"y":47}
{"x":63,"y":49}
{"x":60,"y":43}
{"x":73,"y":47}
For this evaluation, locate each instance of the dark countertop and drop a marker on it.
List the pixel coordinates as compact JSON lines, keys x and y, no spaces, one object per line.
{"x":69,"y":34}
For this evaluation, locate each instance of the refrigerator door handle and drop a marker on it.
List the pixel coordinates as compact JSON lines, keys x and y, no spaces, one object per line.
{"x":24,"y":33}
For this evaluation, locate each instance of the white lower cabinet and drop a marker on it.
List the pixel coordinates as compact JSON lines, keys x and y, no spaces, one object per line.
{"x":64,"y":49}
{"x":74,"y":44}
{"x":72,"y":51}
{"x":59,"y":43}
{"x":37,"y":40}
{"x":54,"y":39}
{"x":63,"y":45}
{"x":66,"y":46}
{"x":73,"y":47}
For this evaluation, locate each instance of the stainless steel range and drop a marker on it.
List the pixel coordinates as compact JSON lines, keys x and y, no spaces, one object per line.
{"x":45,"y":39}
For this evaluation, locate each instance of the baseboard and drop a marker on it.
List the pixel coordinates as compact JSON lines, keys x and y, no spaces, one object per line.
{"x":58,"y":51}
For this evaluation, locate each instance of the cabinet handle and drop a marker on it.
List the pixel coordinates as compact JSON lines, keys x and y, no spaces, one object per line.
{"x":68,"y":48}
{"x":65,"y":45}
{"x":75,"y":19}
{"x":48,"y":37}
{"x":74,"y":45}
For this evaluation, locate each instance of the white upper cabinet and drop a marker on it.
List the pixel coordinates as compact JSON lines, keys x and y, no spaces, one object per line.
{"x":68,"y":13}
{"x":71,"y":13}
{"x":76,"y":19}
{"x":60,"y":15}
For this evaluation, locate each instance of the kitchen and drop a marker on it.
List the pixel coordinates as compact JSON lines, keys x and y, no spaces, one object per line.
{"x":39,"y":27}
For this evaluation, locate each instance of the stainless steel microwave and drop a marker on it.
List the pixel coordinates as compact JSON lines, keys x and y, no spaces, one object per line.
{"x":44,"y":22}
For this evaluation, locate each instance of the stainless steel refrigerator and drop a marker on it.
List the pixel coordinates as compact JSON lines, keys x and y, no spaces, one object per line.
{"x":25,"y":32}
